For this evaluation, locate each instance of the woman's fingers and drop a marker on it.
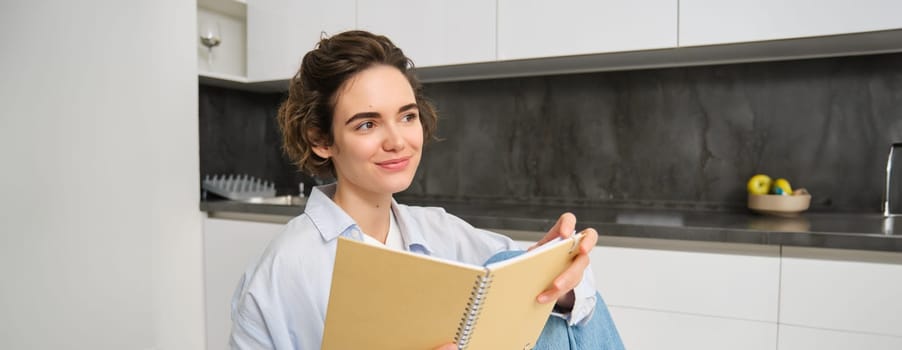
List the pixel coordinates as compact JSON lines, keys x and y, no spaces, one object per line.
{"x":564,"y":226}
{"x":566,"y":281}
{"x":590,"y":239}
{"x":449,"y":346}
{"x":570,"y":278}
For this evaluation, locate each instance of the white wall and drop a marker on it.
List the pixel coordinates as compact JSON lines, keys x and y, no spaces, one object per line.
{"x":100,"y":233}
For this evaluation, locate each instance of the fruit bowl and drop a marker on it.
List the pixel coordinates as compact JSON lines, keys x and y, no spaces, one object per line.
{"x":780,"y":205}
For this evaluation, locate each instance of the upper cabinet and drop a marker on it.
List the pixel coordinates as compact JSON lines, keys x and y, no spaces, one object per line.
{"x":479,"y":39}
{"x":280,"y":32}
{"x":541,"y":28}
{"x":222,"y":24}
{"x":711,"y":22}
{"x":434,"y":33}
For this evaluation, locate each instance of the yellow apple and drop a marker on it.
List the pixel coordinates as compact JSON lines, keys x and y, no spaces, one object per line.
{"x":781,"y":186}
{"x":759,"y":184}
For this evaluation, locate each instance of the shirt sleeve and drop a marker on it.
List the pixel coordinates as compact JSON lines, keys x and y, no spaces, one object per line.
{"x":584,"y":301}
{"x":264,"y":311}
{"x":248,"y":329}
{"x":247,"y":333}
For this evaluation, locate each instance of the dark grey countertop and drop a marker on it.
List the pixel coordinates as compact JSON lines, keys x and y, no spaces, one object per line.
{"x":871,"y":232}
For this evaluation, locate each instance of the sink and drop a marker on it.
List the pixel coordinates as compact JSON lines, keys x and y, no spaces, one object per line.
{"x":279,"y":200}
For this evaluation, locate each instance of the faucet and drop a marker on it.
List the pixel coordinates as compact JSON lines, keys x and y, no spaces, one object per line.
{"x":892,"y":180}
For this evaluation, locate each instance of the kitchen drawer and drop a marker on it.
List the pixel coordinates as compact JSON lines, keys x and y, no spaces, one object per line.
{"x":802,"y":338}
{"x":655,"y":330}
{"x":715,"y":279}
{"x":842,"y":290}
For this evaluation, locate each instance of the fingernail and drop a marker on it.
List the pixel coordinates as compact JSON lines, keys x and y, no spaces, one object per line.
{"x":543,"y":299}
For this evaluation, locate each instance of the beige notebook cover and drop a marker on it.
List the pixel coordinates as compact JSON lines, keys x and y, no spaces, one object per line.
{"x":388,"y":299}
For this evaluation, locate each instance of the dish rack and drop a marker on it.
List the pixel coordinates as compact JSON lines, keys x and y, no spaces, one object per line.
{"x":238,"y":187}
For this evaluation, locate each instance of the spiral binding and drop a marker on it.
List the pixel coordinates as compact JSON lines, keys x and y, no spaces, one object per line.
{"x":471,"y":314}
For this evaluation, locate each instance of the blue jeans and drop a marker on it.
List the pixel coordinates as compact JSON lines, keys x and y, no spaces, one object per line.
{"x":599,"y":333}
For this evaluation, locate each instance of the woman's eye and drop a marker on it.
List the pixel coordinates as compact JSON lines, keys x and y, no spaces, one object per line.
{"x":409,"y":117}
{"x":365,"y":126}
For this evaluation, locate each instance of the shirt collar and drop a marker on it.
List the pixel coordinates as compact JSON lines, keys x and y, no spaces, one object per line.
{"x":331,"y":221}
{"x":411,"y":235}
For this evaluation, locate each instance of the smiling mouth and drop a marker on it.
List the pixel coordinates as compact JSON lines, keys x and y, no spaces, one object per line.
{"x":394,"y":164}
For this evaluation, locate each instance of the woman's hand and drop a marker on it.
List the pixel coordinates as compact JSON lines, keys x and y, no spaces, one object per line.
{"x":449,"y":346}
{"x":561,"y":288}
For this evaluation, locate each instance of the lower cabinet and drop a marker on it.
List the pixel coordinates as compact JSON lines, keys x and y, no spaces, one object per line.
{"x":230,"y":247}
{"x":700,"y":295}
{"x":643,"y":329}
{"x":844,"y":290}
{"x":803,"y":338}
{"x":667,"y":294}
{"x":739,"y":281}
{"x":690,"y":295}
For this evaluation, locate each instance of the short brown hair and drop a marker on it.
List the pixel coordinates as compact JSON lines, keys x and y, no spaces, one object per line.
{"x":305,"y":117}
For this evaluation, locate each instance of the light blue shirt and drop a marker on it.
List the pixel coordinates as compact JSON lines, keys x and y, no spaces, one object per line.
{"x":280,"y":303}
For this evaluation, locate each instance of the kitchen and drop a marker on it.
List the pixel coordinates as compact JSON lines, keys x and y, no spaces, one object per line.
{"x":137,"y":58}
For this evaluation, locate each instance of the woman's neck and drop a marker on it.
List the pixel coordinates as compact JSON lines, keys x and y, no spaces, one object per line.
{"x":369,"y":210}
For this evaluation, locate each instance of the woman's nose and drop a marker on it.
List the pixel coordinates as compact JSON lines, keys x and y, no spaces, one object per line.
{"x":394,"y":139}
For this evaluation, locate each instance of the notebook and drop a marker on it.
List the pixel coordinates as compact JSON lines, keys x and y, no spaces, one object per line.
{"x":389,"y":299}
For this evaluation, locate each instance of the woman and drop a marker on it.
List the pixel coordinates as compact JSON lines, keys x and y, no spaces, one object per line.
{"x":355,"y":112}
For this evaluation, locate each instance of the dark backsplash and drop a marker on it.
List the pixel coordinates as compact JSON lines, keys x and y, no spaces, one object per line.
{"x":675,"y":135}
{"x":239,"y":135}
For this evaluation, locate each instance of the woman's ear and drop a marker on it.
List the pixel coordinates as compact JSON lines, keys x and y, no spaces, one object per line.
{"x":322,"y":151}
{"x":319,"y":146}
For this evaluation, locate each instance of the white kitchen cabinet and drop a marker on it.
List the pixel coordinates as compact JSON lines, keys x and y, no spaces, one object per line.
{"x":230,"y":247}
{"x":541,"y":28}
{"x":710,"y":22}
{"x":434,"y":33}
{"x":280,"y":32}
{"x":228,"y":58}
{"x":689,"y":295}
{"x":738,"y":281}
{"x":842,"y":290}
{"x":654,"y":330}
{"x":803,"y":338}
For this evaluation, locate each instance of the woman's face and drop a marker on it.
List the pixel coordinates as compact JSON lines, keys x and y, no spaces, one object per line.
{"x":378,"y":137}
